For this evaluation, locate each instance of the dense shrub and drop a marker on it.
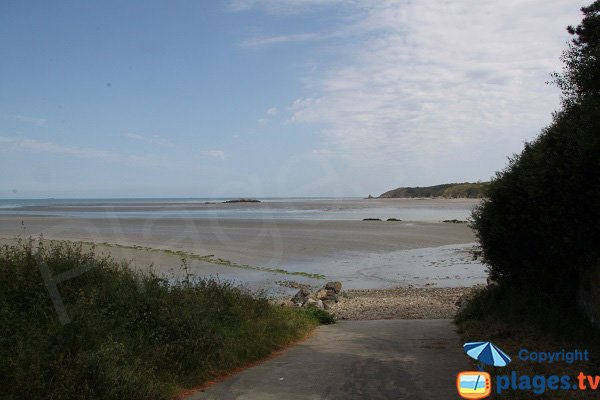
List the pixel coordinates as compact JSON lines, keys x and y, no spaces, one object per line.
{"x":540,"y":225}
{"x":130,"y":335}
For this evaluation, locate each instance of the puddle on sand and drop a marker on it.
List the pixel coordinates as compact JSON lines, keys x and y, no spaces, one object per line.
{"x":443,"y":266}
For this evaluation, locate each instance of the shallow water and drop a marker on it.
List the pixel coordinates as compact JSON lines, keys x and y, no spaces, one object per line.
{"x":294,"y":209}
{"x":442,"y":266}
{"x":316,"y":236}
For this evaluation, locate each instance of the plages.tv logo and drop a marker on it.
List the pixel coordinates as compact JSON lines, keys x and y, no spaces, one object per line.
{"x":478,"y":384}
{"x":473,"y":384}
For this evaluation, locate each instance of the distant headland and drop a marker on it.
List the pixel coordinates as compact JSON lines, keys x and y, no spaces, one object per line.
{"x":465,"y":190}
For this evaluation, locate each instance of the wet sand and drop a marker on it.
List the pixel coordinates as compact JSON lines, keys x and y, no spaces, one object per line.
{"x":297,"y":209}
{"x":247,"y":241}
{"x":360,"y":254}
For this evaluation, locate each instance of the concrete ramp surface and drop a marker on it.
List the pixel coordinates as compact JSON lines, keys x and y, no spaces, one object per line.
{"x":389,"y":359}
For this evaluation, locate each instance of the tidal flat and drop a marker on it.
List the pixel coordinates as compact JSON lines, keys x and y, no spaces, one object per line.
{"x":284,"y":241}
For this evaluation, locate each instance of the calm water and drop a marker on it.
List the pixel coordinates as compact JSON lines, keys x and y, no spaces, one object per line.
{"x":368,"y":263}
{"x":268,"y":208}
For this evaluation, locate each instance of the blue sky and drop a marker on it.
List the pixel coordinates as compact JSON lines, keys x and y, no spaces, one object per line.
{"x":269,"y":98}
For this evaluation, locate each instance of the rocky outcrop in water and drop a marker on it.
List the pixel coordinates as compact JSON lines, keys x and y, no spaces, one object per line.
{"x":242,"y":201}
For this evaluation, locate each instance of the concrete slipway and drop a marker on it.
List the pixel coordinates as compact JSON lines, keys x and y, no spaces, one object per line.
{"x":389,"y":359}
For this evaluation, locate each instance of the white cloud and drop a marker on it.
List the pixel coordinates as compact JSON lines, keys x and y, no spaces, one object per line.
{"x":323,"y":153}
{"x":432,"y":78}
{"x":30,"y":120}
{"x":284,"y":6}
{"x":152,"y":139}
{"x":37,"y":146}
{"x":217,"y":154}
{"x":272,"y":40}
{"x":264,"y":121}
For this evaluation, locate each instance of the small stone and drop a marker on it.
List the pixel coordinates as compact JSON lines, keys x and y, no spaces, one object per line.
{"x":331,"y":295}
{"x":310,"y":302}
{"x":335,"y":286}
{"x":313,"y":303}
{"x":322,"y":293}
{"x":301,"y":296}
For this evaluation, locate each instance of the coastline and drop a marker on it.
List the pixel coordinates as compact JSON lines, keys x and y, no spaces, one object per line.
{"x":256,"y":246}
{"x":355,"y":304}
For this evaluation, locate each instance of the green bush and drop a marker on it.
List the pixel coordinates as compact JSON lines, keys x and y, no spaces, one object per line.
{"x":130,"y":335}
{"x":319,"y":314}
{"x":539,"y":227}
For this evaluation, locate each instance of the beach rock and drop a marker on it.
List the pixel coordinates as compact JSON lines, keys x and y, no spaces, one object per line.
{"x":328,"y":293}
{"x":335,"y":286}
{"x":314,"y":303}
{"x":332,"y":296}
{"x":301,"y":297}
{"x":310,"y":303}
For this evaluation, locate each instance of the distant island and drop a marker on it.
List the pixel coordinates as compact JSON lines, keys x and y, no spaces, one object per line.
{"x":242,"y":201}
{"x":463,"y":190}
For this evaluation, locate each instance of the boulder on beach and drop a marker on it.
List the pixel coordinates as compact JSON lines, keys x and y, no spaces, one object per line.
{"x":314,"y":303}
{"x":325,"y":297}
{"x":301,"y":297}
{"x":335,"y":286}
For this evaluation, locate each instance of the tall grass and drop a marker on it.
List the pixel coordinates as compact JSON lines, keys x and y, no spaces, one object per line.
{"x":130,"y":335}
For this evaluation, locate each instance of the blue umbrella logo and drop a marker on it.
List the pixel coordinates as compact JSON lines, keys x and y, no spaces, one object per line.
{"x":487,"y":353}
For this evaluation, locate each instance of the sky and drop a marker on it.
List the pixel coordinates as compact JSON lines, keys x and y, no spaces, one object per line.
{"x":269,"y":98}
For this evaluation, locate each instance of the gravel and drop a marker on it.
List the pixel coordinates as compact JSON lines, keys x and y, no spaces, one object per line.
{"x":399,"y":303}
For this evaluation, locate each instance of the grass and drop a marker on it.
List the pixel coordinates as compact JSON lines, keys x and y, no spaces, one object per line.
{"x":130,"y":335}
{"x":513,"y":323}
{"x":319,"y":314}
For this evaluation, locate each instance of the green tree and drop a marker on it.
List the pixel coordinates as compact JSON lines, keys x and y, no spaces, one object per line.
{"x":540,"y":224}
{"x":581,"y":74}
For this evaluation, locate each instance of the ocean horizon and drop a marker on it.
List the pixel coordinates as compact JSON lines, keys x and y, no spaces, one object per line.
{"x":297,"y":208}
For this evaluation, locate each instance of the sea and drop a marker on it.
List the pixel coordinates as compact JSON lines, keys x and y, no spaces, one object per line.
{"x":303,"y":208}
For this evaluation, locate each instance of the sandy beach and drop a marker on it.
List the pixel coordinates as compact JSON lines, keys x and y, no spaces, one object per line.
{"x":272,"y":253}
